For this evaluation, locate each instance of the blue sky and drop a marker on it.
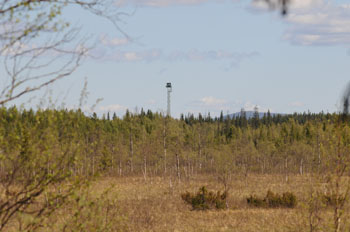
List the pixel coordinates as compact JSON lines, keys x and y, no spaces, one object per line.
{"x":218,"y":54}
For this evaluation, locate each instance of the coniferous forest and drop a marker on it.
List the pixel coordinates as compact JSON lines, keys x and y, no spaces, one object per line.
{"x":63,"y":170}
{"x":152,"y":145}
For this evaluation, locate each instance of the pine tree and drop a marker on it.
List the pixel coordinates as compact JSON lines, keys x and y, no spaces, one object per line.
{"x":256,"y":119}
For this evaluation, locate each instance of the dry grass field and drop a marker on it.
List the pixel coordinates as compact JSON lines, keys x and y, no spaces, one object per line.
{"x":156,"y":205}
{"x":133,"y":204}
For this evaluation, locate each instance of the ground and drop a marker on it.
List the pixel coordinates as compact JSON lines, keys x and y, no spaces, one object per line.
{"x":155,"y":204}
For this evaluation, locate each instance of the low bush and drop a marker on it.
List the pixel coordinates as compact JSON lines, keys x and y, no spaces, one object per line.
{"x":204,"y":199}
{"x":93,"y":212}
{"x":273,"y":200}
{"x":333,"y":199}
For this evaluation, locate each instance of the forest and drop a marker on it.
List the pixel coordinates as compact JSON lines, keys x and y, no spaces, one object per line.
{"x":148,"y":144}
{"x":51,"y":158}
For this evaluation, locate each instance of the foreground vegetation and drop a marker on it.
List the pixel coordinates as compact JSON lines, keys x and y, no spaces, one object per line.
{"x":64,"y":171}
{"x":156,"y":205}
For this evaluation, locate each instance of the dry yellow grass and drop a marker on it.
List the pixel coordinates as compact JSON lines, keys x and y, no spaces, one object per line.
{"x":156,"y":205}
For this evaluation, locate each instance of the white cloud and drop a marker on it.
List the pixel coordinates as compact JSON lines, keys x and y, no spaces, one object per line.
{"x":294,"y":4}
{"x":151,"y":102}
{"x":116,"y":41}
{"x":234,"y":58}
{"x":324,"y":24}
{"x":296,"y":104}
{"x":166,"y":3}
{"x":195,"y":55}
{"x":209,"y":104}
{"x":216,"y":105}
{"x":132,"y":56}
{"x":249,"y":106}
{"x":112,"y":108}
{"x":305,"y":4}
{"x":212,"y":101}
{"x":316,"y":22}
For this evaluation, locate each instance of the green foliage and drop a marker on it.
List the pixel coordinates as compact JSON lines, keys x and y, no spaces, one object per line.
{"x":203,"y":144}
{"x":47,"y":149}
{"x":273,"y":200}
{"x":205,"y":200}
{"x":256,"y":201}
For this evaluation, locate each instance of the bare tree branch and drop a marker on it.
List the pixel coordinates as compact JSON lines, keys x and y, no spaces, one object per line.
{"x":38,"y":47}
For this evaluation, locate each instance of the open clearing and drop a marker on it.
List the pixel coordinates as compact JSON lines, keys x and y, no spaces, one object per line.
{"x":156,"y":205}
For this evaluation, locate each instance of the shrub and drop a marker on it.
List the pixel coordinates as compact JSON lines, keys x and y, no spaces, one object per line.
{"x":289,"y":200}
{"x":204,"y":199}
{"x":273,"y":200}
{"x":333,"y":199}
{"x":256,"y":201}
{"x":94,"y":212}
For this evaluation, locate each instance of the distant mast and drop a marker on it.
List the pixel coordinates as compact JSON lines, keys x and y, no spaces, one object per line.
{"x":170,"y":89}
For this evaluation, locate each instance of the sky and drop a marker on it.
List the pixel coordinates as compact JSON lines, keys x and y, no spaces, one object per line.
{"x":219,"y":55}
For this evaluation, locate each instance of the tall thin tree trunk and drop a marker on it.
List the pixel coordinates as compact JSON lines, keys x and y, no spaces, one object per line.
{"x":318,"y":153}
{"x":112,"y":161}
{"x":286,"y":169}
{"x":192,"y":169}
{"x":164,"y":145}
{"x":93,"y":165}
{"x":178,"y":166}
{"x":301,"y":169}
{"x":189,"y":167}
{"x":131,"y":153}
{"x":145,"y":167}
{"x":120,"y":167}
{"x":199,"y":152}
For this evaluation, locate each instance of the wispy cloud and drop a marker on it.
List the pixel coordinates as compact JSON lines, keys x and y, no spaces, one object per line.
{"x":325,"y":24}
{"x":216,"y":105}
{"x":167,"y":3}
{"x":296,"y":104}
{"x":212,"y":101}
{"x":112,"y":108}
{"x":249,"y":106}
{"x":209,"y":104}
{"x":112,"y":42}
{"x":294,"y":4}
{"x":316,"y":22}
{"x":194,"y":55}
{"x":151,"y":102}
{"x":134,"y":56}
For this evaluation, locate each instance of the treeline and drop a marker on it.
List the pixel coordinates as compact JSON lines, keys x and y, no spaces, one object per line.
{"x":150,"y":144}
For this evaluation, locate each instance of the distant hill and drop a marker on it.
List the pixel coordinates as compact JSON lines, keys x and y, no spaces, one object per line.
{"x":250,"y":114}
